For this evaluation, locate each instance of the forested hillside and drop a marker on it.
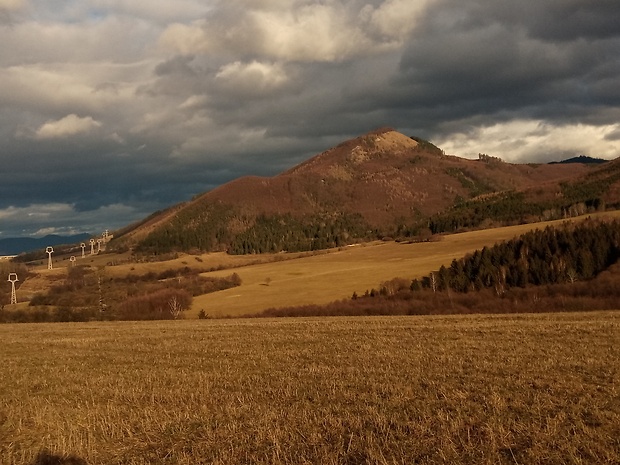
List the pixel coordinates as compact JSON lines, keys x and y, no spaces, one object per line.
{"x":574,"y":267}
{"x":597,"y":190}
{"x":551,"y":256}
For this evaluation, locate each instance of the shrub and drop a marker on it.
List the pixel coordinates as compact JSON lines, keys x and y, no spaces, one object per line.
{"x":154,"y":306}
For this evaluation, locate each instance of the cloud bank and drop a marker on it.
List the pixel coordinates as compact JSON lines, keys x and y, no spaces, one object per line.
{"x":111,"y":106}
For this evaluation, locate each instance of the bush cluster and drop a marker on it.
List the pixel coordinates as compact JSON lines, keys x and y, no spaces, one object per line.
{"x":50,"y":315}
{"x":165,"y":304}
{"x":86,"y":295}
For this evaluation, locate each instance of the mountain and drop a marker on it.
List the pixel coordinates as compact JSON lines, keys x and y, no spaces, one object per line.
{"x":17,"y":245}
{"x":581,"y":159}
{"x":383,"y":183}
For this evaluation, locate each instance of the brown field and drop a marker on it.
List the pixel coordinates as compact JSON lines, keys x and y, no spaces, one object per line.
{"x":328,"y":277}
{"x":535,"y":389}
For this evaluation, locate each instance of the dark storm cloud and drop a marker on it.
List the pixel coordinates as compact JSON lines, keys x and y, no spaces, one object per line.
{"x":111,"y":110}
{"x":558,"y":20}
{"x":478,"y":58}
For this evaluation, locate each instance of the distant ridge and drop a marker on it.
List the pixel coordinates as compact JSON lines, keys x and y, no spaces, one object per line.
{"x":17,"y":245}
{"x":580,"y":159}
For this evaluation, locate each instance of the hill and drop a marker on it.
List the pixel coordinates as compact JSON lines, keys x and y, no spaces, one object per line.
{"x":597,"y":189}
{"x":380,"y":184}
{"x":581,"y":159}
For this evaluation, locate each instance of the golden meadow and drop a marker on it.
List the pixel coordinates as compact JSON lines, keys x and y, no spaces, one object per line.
{"x":377,"y":390}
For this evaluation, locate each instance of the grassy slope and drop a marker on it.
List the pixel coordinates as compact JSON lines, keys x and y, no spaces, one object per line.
{"x":325,"y":278}
{"x":462,"y":389}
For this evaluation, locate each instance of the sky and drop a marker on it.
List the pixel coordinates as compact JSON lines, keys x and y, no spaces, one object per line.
{"x":111,"y":110}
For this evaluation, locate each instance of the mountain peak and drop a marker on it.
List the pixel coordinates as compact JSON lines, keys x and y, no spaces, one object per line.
{"x":359,"y":150}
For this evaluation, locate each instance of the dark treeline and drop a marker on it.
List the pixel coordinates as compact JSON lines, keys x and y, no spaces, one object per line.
{"x":550,"y":256}
{"x":201,"y":227}
{"x":504,"y":208}
{"x":219,"y":228}
{"x":50,"y":315}
{"x":508,"y":208}
{"x":276,"y":233}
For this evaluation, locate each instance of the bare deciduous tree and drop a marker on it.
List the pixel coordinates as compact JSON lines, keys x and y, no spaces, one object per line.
{"x":175,"y":307}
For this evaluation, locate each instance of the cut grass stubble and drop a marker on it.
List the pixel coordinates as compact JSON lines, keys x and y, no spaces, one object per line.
{"x":474,"y":389}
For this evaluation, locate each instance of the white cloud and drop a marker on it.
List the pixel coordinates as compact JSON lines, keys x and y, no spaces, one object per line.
{"x":186,"y":39}
{"x":251,"y":78}
{"x":36,"y":211}
{"x":12,"y":5}
{"x":47,"y":231}
{"x":317,"y":32}
{"x":72,"y":87}
{"x":68,"y":126}
{"x":296,"y":32}
{"x":534,"y":140}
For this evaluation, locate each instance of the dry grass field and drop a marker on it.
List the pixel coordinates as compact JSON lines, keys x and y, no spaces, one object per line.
{"x":519,"y":389}
{"x":325,"y":278}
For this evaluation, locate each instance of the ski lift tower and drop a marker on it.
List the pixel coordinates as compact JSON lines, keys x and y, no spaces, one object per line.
{"x":49,"y":251}
{"x":13,"y":279}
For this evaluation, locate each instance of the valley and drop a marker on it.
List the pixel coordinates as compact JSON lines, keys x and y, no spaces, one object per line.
{"x":288,"y":279}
